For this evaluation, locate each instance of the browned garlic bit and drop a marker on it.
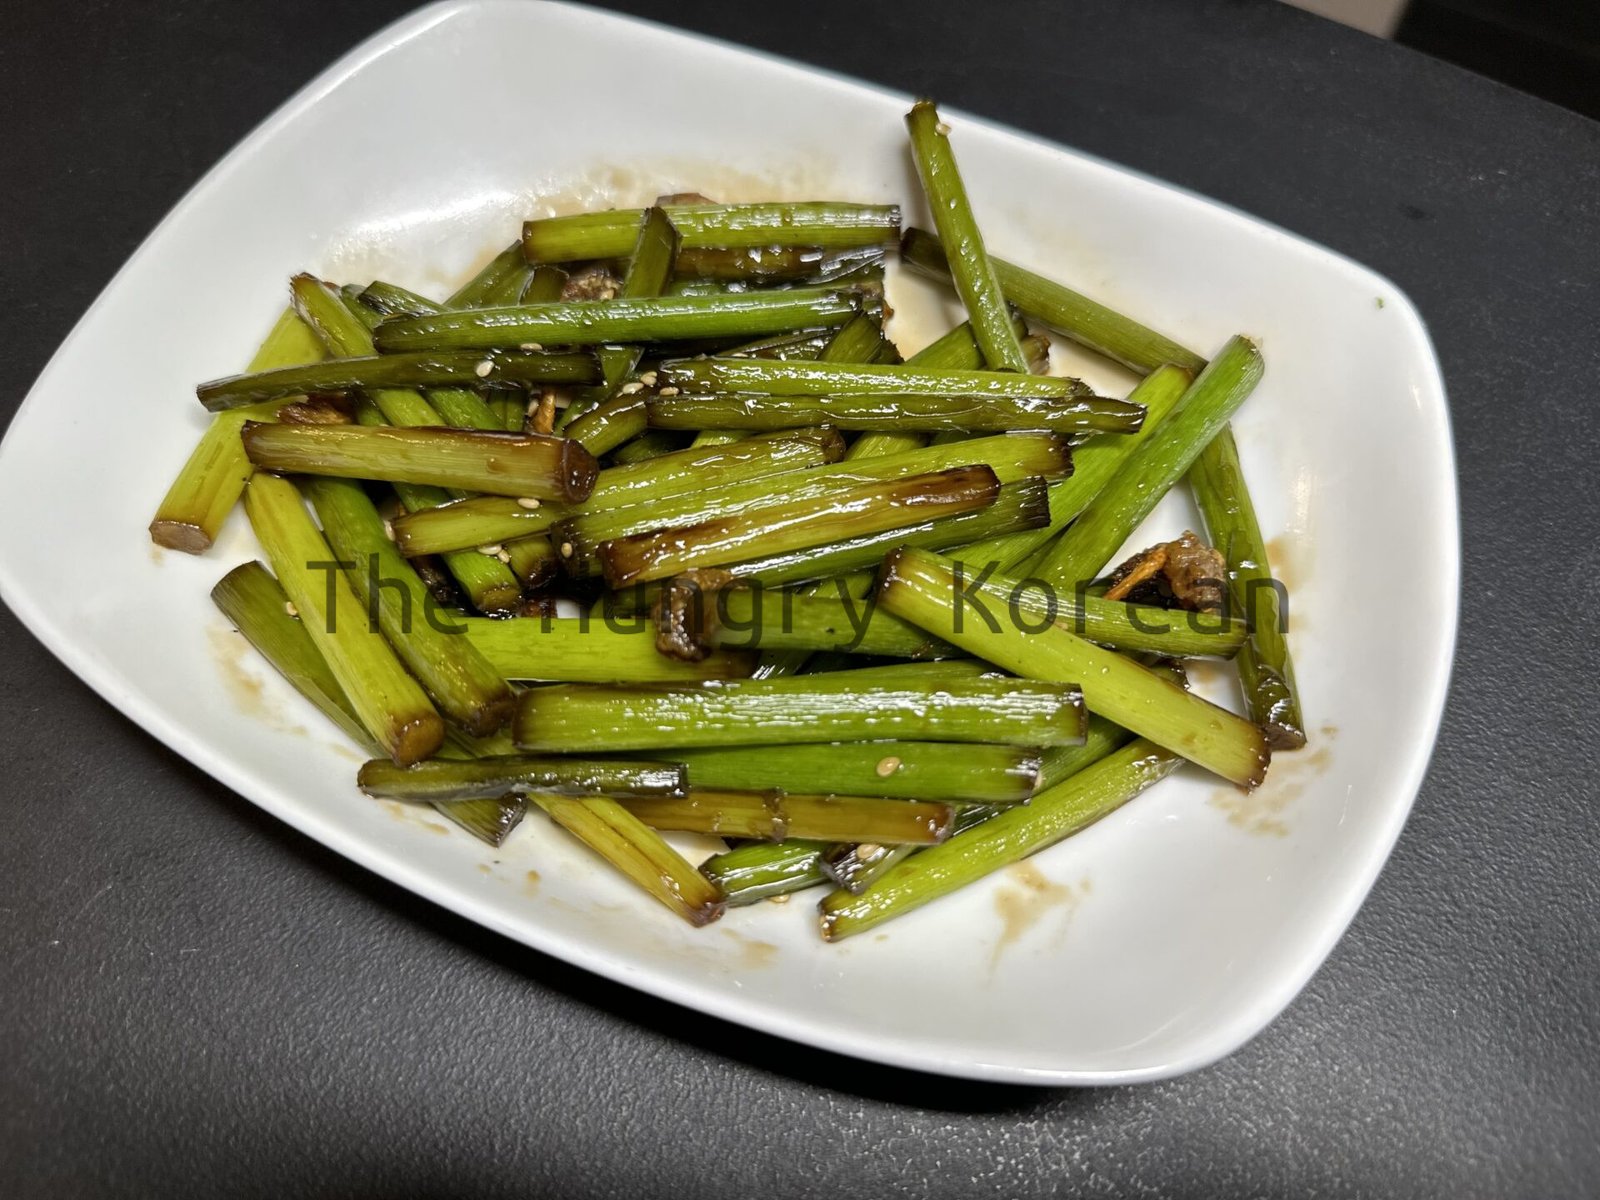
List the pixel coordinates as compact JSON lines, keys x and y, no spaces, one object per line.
{"x":1183,"y":573}
{"x":594,"y":282}
{"x":542,"y":413}
{"x":316,"y":410}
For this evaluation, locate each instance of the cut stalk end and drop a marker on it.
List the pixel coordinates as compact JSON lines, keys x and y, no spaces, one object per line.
{"x":179,"y":535}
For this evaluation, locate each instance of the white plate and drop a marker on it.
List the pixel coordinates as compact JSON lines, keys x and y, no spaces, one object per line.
{"x":1171,"y":932}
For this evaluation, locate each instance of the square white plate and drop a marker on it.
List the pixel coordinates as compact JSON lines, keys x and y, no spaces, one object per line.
{"x":1168,"y":934}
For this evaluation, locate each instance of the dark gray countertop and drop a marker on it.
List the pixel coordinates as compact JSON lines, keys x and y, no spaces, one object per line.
{"x":195,"y":999}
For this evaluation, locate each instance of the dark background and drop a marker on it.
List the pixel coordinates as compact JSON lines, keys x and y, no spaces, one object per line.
{"x":197,"y":1000}
{"x":1548,"y":47}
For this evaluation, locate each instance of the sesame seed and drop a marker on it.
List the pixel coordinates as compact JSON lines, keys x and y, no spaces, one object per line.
{"x":288,"y":607}
{"x":779,"y":899}
{"x":629,"y":389}
{"x":648,"y":378}
{"x":609,"y":293}
{"x":669,"y":391}
{"x":887,"y":766}
{"x":388,"y":529}
{"x":492,"y":550}
{"x":942,"y":129}
{"x":868,"y":850}
{"x":528,"y":502}
{"x":504,"y":556}
{"x":483,"y":368}
{"x":532,"y":346}
{"x":566,"y":549}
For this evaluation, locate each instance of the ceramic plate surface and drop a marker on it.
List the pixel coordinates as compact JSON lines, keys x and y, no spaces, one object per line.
{"x":1154,"y":942}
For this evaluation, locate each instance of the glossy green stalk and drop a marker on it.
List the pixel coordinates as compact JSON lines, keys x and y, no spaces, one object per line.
{"x":1069,"y":313}
{"x":775,"y":816}
{"x":957,"y":350}
{"x":763,"y":378}
{"x":1100,"y":738}
{"x":509,"y":264}
{"x":759,"y":265}
{"x":510,"y":289}
{"x":652,"y":443}
{"x":1005,"y":838}
{"x":655,"y":249}
{"x":511,"y":411}
{"x":1094,"y":462}
{"x":478,"y":521}
{"x":1022,"y":505}
{"x":638,"y":852}
{"x":260,"y":609}
{"x":855,"y":866}
{"x":734,"y":815}
{"x":809,"y":709}
{"x":498,"y":369}
{"x":740,"y":618}
{"x":547,"y":283}
{"x":1265,"y":669}
{"x":391,"y":704}
{"x":762,"y":870}
{"x":964,"y":774}
{"x":746,"y":618}
{"x":920,"y":674}
{"x":609,"y":234}
{"x":345,"y":334}
{"x":990,"y":597}
{"x":530,"y":286}
{"x":213,"y":478}
{"x":766,"y":266}
{"x":975,"y":279}
{"x":596,"y":322}
{"x":460,"y":406}
{"x":609,"y":424}
{"x":489,"y":584}
{"x":852,"y":865}
{"x":926,"y":589}
{"x":691,"y":469}
{"x":466,"y":688}
{"x":462,"y":779}
{"x":387,"y":299}
{"x":858,"y":340}
{"x":806,"y":344}
{"x":1142,"y":478}
{"x":1012,"y":458}
{"x":489,"y":819}
{"x":489,"y":519}
{"x":590,"y":650}
{"x":798,"y":525}
{"x":507,"y":464}
{"x":909,"y":413}
{"x":532,"y":559}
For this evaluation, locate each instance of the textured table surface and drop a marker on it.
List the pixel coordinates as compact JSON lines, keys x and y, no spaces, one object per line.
{"x":197,"y":1000}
